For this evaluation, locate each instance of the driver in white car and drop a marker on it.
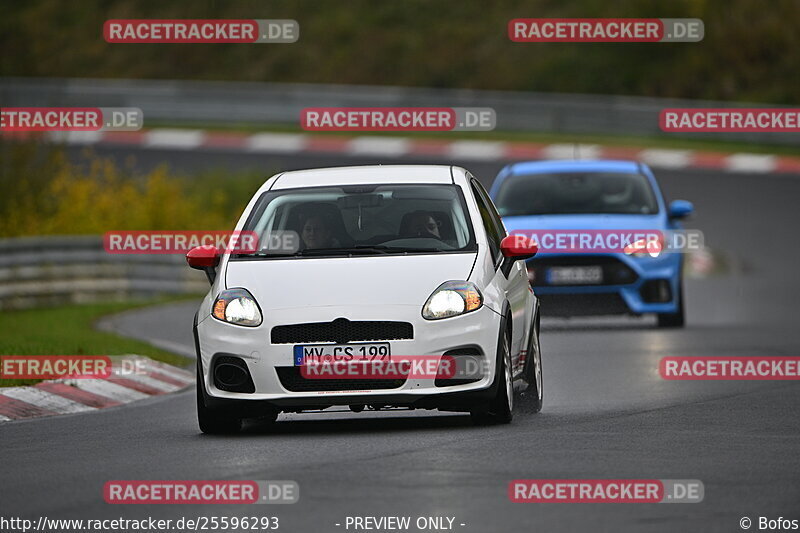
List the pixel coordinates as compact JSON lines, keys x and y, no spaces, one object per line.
{"x":317,"y":233}
{"x":421,"y":224}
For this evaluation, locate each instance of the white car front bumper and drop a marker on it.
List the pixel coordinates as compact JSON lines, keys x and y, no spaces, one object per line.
{"x":478,"y":329}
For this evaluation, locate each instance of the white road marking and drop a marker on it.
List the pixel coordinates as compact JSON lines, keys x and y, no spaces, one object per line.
{"x":172,"y":138}
{"x":45,"y":400}
{"x":174,"y":373}
{"x":570,"y":151}
{"x":478,"y":150}
{"x":109,"y":390}
{"x":657,"y":157}
{"x":76,"y":137}
{"x":386,"y":146}
{"x":276,"y":142}
{"x":751,"y":163}
{"x":144,"y":379}
{"x":149,"y":365}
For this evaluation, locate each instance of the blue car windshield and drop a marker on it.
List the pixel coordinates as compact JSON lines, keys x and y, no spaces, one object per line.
{"x":576,"y":193}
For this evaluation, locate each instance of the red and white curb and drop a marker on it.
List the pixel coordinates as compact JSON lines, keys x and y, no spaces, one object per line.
{"x":382,"y":146}
{"x":63,"y":396}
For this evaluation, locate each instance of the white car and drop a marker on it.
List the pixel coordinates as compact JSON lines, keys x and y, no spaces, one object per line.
{"x":371,"y":263}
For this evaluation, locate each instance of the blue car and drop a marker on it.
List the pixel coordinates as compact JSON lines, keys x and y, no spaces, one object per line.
{"x":556,"y":196}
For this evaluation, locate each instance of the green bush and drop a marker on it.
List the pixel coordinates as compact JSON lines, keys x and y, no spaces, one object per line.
{"x":46,"y":194}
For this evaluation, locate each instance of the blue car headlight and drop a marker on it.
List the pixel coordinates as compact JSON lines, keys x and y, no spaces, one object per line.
{"x":644,"y":248}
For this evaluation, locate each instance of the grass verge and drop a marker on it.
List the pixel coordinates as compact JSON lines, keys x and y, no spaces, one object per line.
{"x":69,"y":330}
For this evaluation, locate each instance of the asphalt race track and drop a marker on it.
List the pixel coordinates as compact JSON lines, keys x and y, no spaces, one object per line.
{"x":607,"y":412}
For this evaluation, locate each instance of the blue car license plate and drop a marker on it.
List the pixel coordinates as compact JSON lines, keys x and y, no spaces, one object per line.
{"x":588,"y":275}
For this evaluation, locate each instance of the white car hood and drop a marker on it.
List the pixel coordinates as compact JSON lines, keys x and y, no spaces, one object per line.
{"x":346,"y":281}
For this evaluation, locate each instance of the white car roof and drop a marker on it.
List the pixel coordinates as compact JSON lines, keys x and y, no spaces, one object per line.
{"x":364,"y":175}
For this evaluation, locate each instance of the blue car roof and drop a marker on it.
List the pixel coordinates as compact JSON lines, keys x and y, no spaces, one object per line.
{"x":567,"y":165}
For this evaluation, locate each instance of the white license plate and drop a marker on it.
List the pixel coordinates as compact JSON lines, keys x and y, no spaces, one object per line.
{"x":341,"y":353}
{"x":575,"y":275}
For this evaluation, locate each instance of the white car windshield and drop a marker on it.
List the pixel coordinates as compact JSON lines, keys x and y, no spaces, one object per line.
{"x":361,"y":219}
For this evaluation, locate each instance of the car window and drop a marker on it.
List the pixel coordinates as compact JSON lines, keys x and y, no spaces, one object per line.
{"x":498,"y":220}
{"x":565,"y":193}
{"x":359,"y":219}
{"x":489,"y":222}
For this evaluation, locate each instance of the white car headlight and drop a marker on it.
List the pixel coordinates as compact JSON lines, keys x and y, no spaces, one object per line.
{"x":237,"y":306}
{"x":452,"y":298}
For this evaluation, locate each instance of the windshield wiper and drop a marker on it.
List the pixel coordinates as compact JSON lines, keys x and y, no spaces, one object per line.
{"x":346,"y":250}
{"x":319,"y":251}
{"x":401,"y":248}
{"x":364,"y":248}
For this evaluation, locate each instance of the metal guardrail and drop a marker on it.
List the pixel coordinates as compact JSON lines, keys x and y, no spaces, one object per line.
{"x":43,"y":271}
{"x":212,"y":102}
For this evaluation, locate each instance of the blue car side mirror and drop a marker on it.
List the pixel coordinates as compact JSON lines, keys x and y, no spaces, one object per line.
{"x":680,"y":209}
